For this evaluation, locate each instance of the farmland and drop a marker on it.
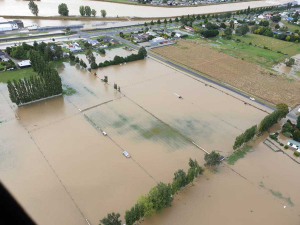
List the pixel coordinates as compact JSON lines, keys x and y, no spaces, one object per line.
{"x":243,"y":75}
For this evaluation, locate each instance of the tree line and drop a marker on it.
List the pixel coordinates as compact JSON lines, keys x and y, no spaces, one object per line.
{"x":46,"y":83}
{"x":281,"y":111}
{"x":162,"y":195}
{"x":142,"y":53}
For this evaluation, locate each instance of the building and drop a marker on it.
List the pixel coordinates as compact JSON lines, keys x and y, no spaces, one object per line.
{"x":75,"y":49}
{"x":157,"y":40}
{"x":151,"y":33}
{"x":24,"y":64}
{"x":294,"y":144}
{"x":4,"y":25}
{"x":189,"y":28}
{"x":14,"y":25}
{"x":93,"y":42}
{"x":19,"y":23}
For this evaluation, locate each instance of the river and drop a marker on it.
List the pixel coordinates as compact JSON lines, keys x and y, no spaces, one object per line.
{"x":50,"y":8}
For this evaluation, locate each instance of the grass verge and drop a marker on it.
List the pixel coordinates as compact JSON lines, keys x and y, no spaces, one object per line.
{"x":238,"y":154}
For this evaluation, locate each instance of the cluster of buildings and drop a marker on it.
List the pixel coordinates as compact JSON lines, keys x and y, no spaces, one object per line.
{"x":186,"y":2}
{"x":73,"y":47}
{"x":6,"y":25}
{"x":155,"y":37}
{"x":102,"y":42}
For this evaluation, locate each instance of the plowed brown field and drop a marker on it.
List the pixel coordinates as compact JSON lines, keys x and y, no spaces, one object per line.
{"x":236,"y":72}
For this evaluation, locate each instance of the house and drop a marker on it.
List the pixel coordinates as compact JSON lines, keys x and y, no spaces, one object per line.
{"x":294,"y":144}
{"x":5,"y":25}
{"x":65,"y":55}
{"x":14,"y":25}
{"x":139,"y":37}
{"x":24,"y":64}
{"x":177,"y":35}
{"x":157,"y":40}
{"x":3,"y":58}
{"x":93,"y":42}
{"x":189,"y":28}
{"x":289,"y":18}
{"x":75,"y":49}
{"x":151,"y":33}
{"x":19,"y":23}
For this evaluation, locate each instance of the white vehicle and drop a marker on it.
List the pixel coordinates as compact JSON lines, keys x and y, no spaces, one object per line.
{"x":126,"y":154}
{"x":104,"y":133}
{"x":253,"y":99}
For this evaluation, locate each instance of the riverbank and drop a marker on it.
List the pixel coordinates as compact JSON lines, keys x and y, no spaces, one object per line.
{"x":127,"y":2}
{"x":49,"y":8}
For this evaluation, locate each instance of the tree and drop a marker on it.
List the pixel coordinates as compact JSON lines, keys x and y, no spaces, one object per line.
{"x":180,"y":177}
{"x":94,"y":12}
{"x":223,"y":25}
{"x":283,"y":108}
{"x":191,"y":175}
{"x":111,"y":219}
{"x":176,"y":20}
{"x":82,"y":10}
{"x":170,"y":20}
{"x":277,"y":26}
{"x":103,"y":13}
{"x":165,"y":21}
{"x":160,"y":196}
{"x":158,"y":21}
{"x":142,"y":52}
{"x":242,"y":30}
{"x":212,"y":159}
{"x":296,"y":135}
{"x":33,"y":8}
{"x":248,"y":10}
{"x":298,"y":122}
{"x":231,"y":24}
{"x":63,"y":9}
{"x":146,"y":206}
{"x":152,"y":23}
{"x":228,"y":33}
{"x":87,"y":10}
{"x":145,"y":24}
{"x":290,"y":62}
{"x":276,"y":19}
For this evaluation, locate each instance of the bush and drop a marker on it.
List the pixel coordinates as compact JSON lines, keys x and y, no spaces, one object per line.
{"x":102,"y":51}
{"x":287,"y":134}
{"x":296,"y":154}
{"x":286,"y":147}
{"x":281,"y":144}
{"x":273,"y":136}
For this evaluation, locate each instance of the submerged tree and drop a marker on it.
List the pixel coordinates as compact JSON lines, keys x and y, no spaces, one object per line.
{"x":212,"y":159}
{"x":63,"y":9}
{"x":33,"y":8}
{"x":111,"y":219}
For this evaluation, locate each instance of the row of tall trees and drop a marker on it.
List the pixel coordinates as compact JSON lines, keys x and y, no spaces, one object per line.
{"x":142,"y":53}
{"x":46,"y":83}
{"x":245,"y":137}
{"x":281,"y":111}
{"x":161,"y":196}
{"x":87,"y":11}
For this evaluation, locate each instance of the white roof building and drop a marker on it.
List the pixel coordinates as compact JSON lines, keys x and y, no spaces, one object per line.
{"x":24,"y":64}
{"x":158,"y":40}
{"x":5,"y":25}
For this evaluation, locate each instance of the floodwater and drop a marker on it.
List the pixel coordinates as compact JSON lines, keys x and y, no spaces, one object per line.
{"x":62,"y":170}
{"x":50,"y":8}
{"x":85,"y":23}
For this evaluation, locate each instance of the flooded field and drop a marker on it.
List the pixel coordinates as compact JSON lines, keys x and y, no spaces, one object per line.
{"x":49,"y":8}
{"x":59,"y":166}
{"x":257,"y":81}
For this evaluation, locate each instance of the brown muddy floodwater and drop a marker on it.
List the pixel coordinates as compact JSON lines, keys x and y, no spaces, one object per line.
{"x":49,"y":8}
{"x":62,"y":170}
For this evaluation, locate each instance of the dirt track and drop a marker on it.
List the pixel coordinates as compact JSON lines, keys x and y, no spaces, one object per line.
{"x":236,"y":72}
